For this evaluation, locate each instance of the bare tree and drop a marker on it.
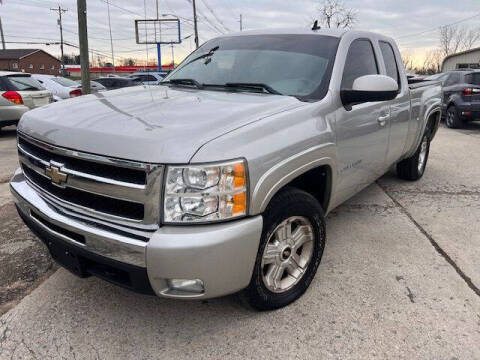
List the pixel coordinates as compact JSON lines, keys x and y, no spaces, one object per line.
{"x":333,"y":13}
{"x":433,"y":62}
{"x":407,"y":60}
{"x":470,"y":38}
{"x":454,"y":39}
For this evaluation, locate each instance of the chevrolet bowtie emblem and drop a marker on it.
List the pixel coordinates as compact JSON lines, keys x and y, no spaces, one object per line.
{"x":56,"y":175}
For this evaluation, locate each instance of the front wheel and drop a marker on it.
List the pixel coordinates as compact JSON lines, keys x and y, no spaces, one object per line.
{"x":290,"y":250}
{"x":413,"y":168}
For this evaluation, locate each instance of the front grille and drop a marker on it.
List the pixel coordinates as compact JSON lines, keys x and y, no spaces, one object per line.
{"x":101,"y":203}
{"x":104,"y":189}
{"x":88,"y":167}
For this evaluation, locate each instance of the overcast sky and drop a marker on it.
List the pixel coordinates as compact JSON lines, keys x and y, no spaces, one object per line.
{"x":413,"y":23}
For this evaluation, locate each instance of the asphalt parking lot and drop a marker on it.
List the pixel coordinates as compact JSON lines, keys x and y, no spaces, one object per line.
{"x":399,"y":279}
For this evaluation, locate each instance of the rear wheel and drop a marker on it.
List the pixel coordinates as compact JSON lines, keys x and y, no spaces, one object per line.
{"x":290,"y":250}
{"x":413,"y":168}
{"x":452,"y":121}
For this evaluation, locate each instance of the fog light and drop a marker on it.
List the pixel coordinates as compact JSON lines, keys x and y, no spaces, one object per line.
{"x":186,"y":286}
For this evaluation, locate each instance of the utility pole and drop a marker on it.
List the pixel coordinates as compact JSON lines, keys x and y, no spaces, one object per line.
{"x":111,"y":40}
{"x":173,"y":58}
{"x":1,"y":31}
{"x":59,"y":21}
{"x":195,"y":23}
{"x":83,"y":41}
{"x":241,"y":22}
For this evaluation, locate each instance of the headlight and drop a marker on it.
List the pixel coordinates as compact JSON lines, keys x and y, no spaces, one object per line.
{"x":205,"y":193}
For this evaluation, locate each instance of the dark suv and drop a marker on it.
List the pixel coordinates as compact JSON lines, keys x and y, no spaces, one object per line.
{"x":461,"y":97}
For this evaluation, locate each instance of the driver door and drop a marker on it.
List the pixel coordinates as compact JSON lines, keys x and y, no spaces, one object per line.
{"x":362,"y":129}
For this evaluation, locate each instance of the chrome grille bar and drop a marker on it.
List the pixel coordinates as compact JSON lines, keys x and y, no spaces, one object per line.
{"x":37,"y":157}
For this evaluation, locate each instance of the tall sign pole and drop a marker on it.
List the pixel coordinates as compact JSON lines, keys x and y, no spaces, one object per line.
{"x":159,"y":49}
{"x":83,"y":41}
{"x":195,"y":23}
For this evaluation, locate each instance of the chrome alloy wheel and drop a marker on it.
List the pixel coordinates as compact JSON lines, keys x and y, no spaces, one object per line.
{"x":287,"y":254}
{"x":422,"y":156}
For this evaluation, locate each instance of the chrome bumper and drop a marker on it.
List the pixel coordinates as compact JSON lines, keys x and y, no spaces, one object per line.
{"x":97,"y":240}
{"x":220,"y":256}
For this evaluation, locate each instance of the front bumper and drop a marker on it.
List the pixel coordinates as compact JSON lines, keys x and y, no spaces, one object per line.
{"x":221,"y":256}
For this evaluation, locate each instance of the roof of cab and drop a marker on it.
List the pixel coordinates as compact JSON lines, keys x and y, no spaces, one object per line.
{"x":291,"y":31}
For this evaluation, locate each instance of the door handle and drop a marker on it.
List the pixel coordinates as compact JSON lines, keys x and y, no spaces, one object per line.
{"x":382,"y":120}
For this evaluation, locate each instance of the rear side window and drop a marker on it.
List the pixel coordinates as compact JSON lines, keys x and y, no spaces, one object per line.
{"x":390,"y":62}
{"x":453,"y":78}
{"x":473,"y":78}
{"x":360,"y":61}
{"x":24,"y":83}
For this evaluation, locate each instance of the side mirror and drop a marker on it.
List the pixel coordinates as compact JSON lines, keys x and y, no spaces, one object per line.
{"x":370,"y":88}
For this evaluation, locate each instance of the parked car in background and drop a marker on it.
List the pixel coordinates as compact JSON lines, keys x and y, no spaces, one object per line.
{"x":436,"y":77}
{"x":19,"y":92}
{"x":60,"y":87}
{"x":148,"y":78}
{"x":117,"y":82}
{"x":461,"y":97}
{"x":234,"y":161}
{"x":94,"y":86}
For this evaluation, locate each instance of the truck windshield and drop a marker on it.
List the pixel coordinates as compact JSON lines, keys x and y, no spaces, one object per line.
{"x":294,"y":65}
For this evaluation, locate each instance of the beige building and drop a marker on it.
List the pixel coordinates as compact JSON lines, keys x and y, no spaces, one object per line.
{"x":462,"y":60}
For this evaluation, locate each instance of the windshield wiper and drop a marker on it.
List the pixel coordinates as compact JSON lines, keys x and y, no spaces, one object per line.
{"x":209,"y":53}
{"x":253,"y":86}
{"x":184,"y":82}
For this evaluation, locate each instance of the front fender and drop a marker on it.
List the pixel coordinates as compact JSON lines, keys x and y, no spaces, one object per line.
{"x":288,"y":169}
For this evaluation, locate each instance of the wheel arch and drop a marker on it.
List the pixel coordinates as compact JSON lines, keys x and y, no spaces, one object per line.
{"x":311,"y":171}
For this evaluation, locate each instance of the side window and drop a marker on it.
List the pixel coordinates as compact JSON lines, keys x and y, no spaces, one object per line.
{"x":390,"y":62}
{"x":473,"y":78}
{"x":360,"y":61}
{"x":453,"y":78}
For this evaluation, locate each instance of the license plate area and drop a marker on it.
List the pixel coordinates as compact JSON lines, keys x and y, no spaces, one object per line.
{"x":67,"y":258}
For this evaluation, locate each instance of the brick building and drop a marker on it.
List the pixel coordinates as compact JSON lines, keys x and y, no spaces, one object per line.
{"x":33,"y":61}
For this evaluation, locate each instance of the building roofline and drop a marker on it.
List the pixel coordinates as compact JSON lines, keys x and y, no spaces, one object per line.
{"x":31,"y":53}
{"x":459,"y":53}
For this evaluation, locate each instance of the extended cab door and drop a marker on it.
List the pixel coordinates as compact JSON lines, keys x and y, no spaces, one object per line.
{"x":362,"y":129}
{"x":399,"y":107}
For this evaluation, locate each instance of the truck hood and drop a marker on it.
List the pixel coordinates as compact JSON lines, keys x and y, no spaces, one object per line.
{"x":152,"y":124}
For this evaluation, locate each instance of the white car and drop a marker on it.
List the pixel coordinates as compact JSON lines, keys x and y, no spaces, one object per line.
{"x":61,"y":88}
{"x":19,"y":92}
{"x":148,"y":78}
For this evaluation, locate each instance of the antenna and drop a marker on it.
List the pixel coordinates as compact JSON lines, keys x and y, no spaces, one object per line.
{"x":316,"y":26}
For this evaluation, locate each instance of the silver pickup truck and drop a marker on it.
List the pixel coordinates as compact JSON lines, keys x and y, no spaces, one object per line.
{"x":219,"y":179}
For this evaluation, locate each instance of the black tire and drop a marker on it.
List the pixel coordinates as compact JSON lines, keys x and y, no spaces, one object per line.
{"x":288,"y":203}
{"x":451,"y":120}
{"x":410,"y":169}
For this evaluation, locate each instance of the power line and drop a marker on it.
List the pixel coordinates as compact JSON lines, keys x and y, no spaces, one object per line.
{"x":215,"y":15}
{"x":436,"y":28}
{"x":207,"y":21}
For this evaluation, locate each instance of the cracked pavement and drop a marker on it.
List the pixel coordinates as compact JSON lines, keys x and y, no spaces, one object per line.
{"x":399,"y":279}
